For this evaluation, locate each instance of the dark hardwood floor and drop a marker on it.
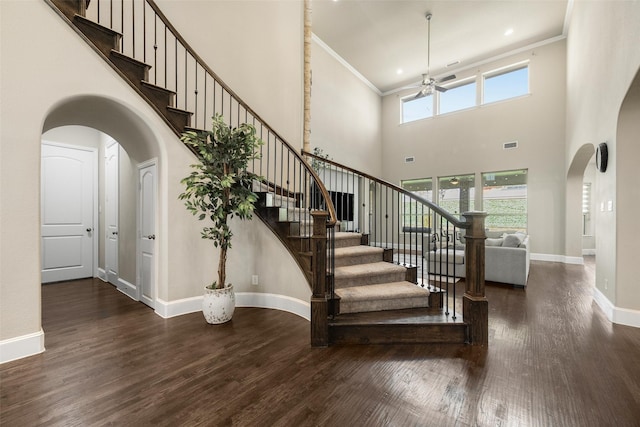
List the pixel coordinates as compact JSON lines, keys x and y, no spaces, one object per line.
{"x":553,"y":360}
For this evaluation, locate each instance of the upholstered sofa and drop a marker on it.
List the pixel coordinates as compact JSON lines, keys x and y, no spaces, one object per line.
{"x":507,"y":259}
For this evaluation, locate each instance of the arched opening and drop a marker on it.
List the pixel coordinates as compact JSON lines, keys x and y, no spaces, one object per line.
{"x":627,"y":201}
{"x":124,"y":145}
{"x":574,"y":200}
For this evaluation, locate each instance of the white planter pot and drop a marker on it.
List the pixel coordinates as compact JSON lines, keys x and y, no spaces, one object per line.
{"x":218,"y":305}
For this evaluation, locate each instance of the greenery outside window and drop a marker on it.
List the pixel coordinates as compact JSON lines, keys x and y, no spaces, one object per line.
{"x":506,"y":83}
{"x":504,"y":198}
{"x":413,"y":213}
{"x":415,"y":109}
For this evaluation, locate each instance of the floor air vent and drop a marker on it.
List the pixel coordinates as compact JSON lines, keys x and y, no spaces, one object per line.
{"x":510,"y":145}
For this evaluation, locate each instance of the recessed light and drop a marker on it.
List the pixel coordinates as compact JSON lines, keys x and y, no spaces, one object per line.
{"x":508,"y":32}
{"x":399,"y":71}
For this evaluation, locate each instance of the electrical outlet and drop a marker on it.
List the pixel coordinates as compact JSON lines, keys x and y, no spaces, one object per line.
{"x":254,"y":280}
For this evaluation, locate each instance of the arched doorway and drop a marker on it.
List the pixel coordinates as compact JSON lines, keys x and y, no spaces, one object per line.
{"x":111,"y":128}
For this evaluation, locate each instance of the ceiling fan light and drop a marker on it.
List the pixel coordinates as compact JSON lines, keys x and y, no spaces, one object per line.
{"x":454,"y":181}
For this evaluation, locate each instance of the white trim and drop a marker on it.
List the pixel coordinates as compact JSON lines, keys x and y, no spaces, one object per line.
{"x":167,"y":309}
{"x":617,"y":315}
{"x":128,"y":289}
{"x":22,"y":346}
{"x":274,"y":302}
{"x":557,"y":258}
{"x":588,"y":252}
{"x":345,"y":64}
{"x":102,"y":275}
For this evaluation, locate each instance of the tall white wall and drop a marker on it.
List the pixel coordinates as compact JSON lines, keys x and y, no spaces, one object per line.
{"x":255,"y":47}
{"x":602,"y":60}
{"x":345,"y":114}
{"x":471,"y":141}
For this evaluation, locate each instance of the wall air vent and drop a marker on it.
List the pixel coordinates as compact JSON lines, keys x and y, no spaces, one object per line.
{"x":409,"y":159}
{"x":510,"y":145}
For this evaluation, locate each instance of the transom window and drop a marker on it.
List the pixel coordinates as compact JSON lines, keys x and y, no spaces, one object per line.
{"x":497,"y":85}
{"x":416,"y":109}
{"x":458,"y":98}
{"x":505,"y":84}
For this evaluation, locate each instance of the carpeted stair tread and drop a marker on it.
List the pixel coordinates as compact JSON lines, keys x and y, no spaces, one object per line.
{"x":361,"y":254}
{"x":380,"y":297}
{"x":344,"y":239}
{"x":368,"y":274}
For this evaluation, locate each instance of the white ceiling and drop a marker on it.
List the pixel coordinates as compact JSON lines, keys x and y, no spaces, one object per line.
{"x":378,"y":37}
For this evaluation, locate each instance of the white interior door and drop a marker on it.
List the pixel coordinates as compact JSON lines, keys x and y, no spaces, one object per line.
{"x":67,"y":212}
{"x":111,"y":211}
{"x":147,"y":234}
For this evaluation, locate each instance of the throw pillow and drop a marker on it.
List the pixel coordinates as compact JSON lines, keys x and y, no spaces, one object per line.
{"x":511,"y":241}
{"x":494,"y":242}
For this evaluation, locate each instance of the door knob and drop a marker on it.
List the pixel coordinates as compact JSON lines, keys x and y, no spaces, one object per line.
{"x":89,"y":230}
{"x":151,"y":237}
{"x":115,"y":233}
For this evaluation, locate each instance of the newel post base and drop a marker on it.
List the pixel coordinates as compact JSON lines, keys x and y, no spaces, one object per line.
{"x":475,"y":307}
{"x":319,"y":303}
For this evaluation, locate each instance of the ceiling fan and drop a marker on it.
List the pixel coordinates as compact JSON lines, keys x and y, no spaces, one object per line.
{"x":429,"y":84}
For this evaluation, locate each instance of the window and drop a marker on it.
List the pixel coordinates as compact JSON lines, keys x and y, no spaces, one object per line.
{"x":413,"y":213}
{"x":586,"y":209}
{"x":458,"y":98}
{"x":456,"y":193}
{"x":506,"y":84}
{"x":416,"y":109}
{"x":504,"y":198}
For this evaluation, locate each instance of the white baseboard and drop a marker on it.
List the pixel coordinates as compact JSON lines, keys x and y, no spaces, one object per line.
{"x":275,"y":302}
{"x":167,"y":309}
{"x":128,"y":289}
{"x":102,"y":275}
{"x":588,"y":252}
{"x":620,"y":316}
{"x":22,"y":346}
{"x":557,"y":258}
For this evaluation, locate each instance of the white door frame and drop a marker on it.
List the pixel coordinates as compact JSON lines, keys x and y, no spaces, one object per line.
{"x":139,"y":264}
{"x":95,"y":219}
{"x":110,"y":202}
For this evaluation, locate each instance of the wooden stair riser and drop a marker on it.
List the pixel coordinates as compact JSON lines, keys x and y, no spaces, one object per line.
{"x":135,"y":71}
{"x":179,"y":119}
{"x":105,"y":39}
{"x":70,"y":8}
{"x":159,"y":96}
{"x":437,"y":333}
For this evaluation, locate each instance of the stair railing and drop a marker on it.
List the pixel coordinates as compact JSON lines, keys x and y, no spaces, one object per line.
{"x":149,"y":37}
{"x":417,"y":234}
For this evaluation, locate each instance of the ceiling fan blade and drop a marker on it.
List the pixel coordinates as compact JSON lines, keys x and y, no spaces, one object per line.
{"x":441,"y":89}
{"x":419,"y":95}
{"x":446,"y":79}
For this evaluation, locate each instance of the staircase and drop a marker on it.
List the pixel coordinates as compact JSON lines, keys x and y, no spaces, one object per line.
{"x":360,"y":293}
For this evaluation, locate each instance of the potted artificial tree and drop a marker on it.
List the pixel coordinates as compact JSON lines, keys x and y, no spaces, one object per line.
{"x":218,"y":189}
